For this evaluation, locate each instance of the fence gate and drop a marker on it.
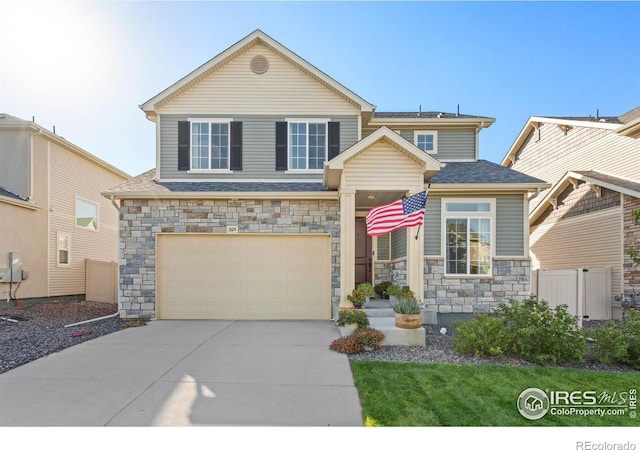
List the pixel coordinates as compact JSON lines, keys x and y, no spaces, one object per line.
{"x":101,"y":281}
{"x":587,"y":292}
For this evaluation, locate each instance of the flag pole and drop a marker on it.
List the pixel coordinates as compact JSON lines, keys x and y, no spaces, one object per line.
{"x":418,"y":232}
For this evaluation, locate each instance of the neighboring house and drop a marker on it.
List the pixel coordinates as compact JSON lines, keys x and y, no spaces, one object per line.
{"x":586,"y":219}
{"x":266,"y":169}
{"x":51,"y":210}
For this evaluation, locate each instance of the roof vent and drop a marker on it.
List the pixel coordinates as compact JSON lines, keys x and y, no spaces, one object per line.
{"x":259,"y":64}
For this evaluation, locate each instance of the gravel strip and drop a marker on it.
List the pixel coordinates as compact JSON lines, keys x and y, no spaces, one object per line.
{"x":439,"y":349}
{"x":40,"y":329}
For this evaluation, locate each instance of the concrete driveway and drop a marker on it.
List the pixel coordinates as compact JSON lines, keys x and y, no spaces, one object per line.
{"x":189,"y":373}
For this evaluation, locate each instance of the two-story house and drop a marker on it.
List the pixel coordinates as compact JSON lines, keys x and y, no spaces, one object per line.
{"x":266,"y":168}
{"x":590,"y":216}
{"x":51,"y":212}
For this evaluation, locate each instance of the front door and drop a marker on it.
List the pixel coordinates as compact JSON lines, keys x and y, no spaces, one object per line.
{"x":363,"y":252}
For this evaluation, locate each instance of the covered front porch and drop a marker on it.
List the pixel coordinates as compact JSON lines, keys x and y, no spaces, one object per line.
{"x":378,"y":170}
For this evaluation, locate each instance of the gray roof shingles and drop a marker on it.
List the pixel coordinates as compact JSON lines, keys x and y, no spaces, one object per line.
{"x":480,"y":172}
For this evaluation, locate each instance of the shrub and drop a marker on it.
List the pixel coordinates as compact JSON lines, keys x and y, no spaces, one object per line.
{"x":543,"y":334}
{"x":352,"y":316}
{"x":366,"y":289}
{"x":609,"y":344}
{"x":401,"y":292}
{"x":381,"y":288}
{"x":357,"y":298}
{"x":347,"y":345}
{"x":619,"y":342}
{"x":406,"y":306}
{"x":530,"y":329}
{"x":369,"y":337}
{"x":483,"y":335}
{"x":355,"y":343}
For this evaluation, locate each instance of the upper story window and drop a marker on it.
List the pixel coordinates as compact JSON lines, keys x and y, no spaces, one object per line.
{"x":209,"y":145}
{"x":469,"y":236}
{"x":307,"y":145}
{"x":426,"y":141}
{"x":86,"y":214}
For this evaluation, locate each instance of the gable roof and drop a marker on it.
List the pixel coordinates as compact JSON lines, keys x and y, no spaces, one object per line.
{"x":483,"y":174}
{"x":595,"y":178}
{"x":534,"y":122}
{"x":626,"y":124}
{"x":333,"y":168}
{"x":257,"y":37}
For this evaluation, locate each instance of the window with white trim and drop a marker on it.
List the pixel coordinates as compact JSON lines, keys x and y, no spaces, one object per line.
{"x":426,"y":141}
{"x":307,"y":145}
{"x":209,"y":145}
{"x":468,"y":236}
{"x":63,"y":254}
{"x":86,"y":214}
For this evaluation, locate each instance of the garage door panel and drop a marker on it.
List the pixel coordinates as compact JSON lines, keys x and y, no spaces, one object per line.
{"x":243,"y":277}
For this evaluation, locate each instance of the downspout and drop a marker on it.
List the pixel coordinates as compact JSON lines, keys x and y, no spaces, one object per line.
{"x":538,"y":190}
{"x":113,"y":202}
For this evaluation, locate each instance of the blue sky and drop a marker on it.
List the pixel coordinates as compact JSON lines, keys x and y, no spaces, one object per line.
{"x":85,"y":66}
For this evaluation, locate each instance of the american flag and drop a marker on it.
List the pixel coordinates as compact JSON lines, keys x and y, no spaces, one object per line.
{"x":404,"y":213}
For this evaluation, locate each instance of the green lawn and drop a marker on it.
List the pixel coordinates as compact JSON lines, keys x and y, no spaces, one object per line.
{"x":416,"y":394}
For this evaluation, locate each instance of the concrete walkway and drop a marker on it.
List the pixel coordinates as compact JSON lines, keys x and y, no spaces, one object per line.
{"x":189,"y":373}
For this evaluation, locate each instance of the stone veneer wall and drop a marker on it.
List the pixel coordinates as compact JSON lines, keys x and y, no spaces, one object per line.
{"x":631,"y":230}
{"x":393,"y":271}
{"x":511,"y":279}
{"x":141,"y":220}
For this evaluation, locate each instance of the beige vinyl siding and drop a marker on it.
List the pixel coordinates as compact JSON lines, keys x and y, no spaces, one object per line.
{"x":382,"y":167}
{"x":510,"y":226}
{"x":613,"y":154}
{"x":24,"y":231}
{"x":553,"y":144}
{"x":72,"y":176}
{"x":258,"y":145}
{"x":399,"y":243}
{"x":590,"y":240}
{"x":283,"y":89}
{"x":432,"y":226}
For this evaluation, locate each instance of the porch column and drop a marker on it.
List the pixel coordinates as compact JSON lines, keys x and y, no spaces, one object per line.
{"x":347,"y":244}
{"x":415,"y":259}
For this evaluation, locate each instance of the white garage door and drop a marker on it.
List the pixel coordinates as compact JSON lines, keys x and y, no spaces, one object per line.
{"x":261,"y":277}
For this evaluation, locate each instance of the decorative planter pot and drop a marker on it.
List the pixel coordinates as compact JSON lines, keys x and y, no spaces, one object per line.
{"x":408,"y":321}
{"x":348,"y":329}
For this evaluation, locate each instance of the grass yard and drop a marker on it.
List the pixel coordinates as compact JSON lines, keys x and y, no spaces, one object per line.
{"x":417,"y":394}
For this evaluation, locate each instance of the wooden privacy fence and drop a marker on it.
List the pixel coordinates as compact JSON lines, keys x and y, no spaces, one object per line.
{"x":587,"y":292}
{"x":101,"y":281}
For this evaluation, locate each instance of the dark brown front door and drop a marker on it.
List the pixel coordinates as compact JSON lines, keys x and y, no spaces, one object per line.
{"x":363,"y":252}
